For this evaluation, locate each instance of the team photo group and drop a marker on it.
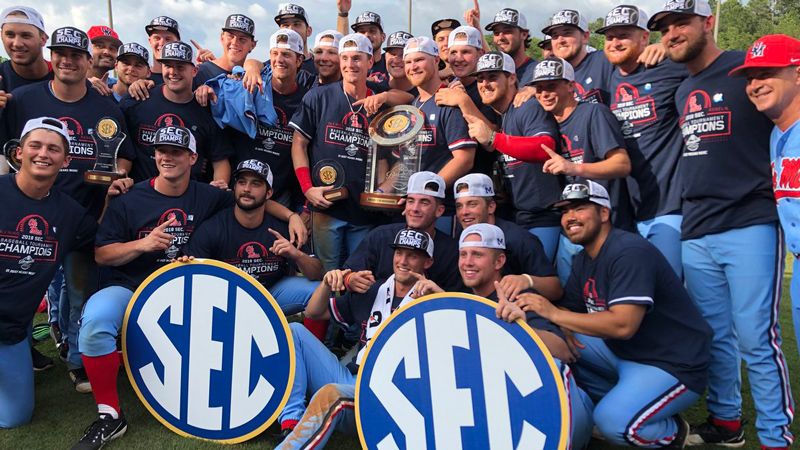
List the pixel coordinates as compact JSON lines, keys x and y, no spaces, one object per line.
{"x":624,"y":214}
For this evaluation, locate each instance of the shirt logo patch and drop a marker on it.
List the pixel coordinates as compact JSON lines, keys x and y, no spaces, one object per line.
{"x":701,"y":121}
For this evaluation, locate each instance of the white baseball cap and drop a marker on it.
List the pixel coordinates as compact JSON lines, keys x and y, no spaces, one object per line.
{"x":491,"y":236}
{"x":31,"y":16}
{"x":624,"y":16}
{"x":426,"y":183}
{"x":288,"y":39}
{"x":355,"y":42}
{"x":465,"y":35}
{"x":584,"y":191}
{"x":46,"y":123}
{"x":495,"y":62}
{"x":420,"y":44}
{"x":474,"y":185}
{"x":334,"y":35}
{"x":569,"y":17}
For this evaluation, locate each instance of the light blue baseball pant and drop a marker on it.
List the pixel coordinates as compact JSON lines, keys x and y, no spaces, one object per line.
{"x":735,"y":278}
{"x":635,"y":403}
{"x":16,"y":384}
{"x":334,"y":240}
{"x":548,"y":236}
{"x":566,"y":251}
{"x":665,"y":233}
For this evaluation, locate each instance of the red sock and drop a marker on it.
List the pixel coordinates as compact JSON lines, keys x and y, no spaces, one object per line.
{"x":288,"y":424}
{"x":102,"y":372}
{"x":317,"y":327}
{"x":732,"y":425}
{"x":764,"y":447}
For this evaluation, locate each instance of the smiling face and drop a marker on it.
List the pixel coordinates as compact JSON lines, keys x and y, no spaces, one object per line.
{"x":496,"y":87}
{"x":326,"y":60}
{"x":569,"y":42}
{"x":420,"y":68}
{"x":624,"y":44}
{"x":685,"y":36}
{"x":374,"y":34}
{"x":70,"y":66}
{"x":509,"y":39}
{"x":773,"y":89}
{"x":421,"y":211}
{"x":251,"y":191}
{"x":236,"y":45}
{"x":178,"y":76}
{"x":174,"y":163}
{"x":285,"y":63}
{"x":23,"y":42}
{"x":130,"y":68}
{"x":104,"y":54}
{"x":441,"y":42}
{"x":394,"y":63}
{"x":43,"y":153}
{"x":355,"y":66}
{"x":583,"y":221}
{"x":479,"y":266}
{"x":405,"y":261}
{"x":555,"y":95}
{"x":463,"y":59}
{"x":472,"y":210}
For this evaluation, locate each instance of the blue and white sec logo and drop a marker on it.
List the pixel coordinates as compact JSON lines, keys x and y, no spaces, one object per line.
{"x":208,"y":351}
{"x":443,"y":372}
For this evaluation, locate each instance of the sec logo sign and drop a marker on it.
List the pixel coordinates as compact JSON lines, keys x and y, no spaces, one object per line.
{"x":208,"y":351}
{"x":444,"y":372}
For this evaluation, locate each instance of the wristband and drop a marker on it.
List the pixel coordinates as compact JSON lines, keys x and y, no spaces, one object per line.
{"x":530,"y":280}
{"x":347,"y":280}
{"x":304,"y":177}
{"x":491,"y":139}
{"x":343,"y":14}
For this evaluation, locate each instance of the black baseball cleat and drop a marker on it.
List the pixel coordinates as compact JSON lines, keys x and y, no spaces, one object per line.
{"x":681,"y":435}
{"x":40,"y":361}
{"x":102,"y":430}
{"x":709,"y":433}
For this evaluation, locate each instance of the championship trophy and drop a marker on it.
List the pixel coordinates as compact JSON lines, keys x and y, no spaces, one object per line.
{"x":10,"y":152}
{"x":330,"y":173}
{"x":394,"y":155}
{"x":107,"y":137}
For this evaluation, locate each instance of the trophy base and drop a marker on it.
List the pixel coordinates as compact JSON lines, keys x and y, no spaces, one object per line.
{"x":336,"y":194}
{"x":100,"y":177}
{"x":381,"y":202}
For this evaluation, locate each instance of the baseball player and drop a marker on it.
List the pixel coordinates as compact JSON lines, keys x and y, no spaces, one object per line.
{"x":141,"y":230}
{"x":370,"y":25}
{"x":736,"y":287}
{"x":330,"y":130}
{"x":440,"y":32}
{"x":160,"y":31}
{"x":247,"y":237}
{"x":446,"y":146}
{"x":69,"y":98}
{"x":23,"y":38}
{"x":546,"y":44}
{"x":133,"y":64}
{"x":315,"y":365}
{"x":625,"y":305}
{"x":295,"y":17}
{"x":533,"y":190}
{"x":238,"y":40}
{"x":326,"y":57}
{"x":105,"y":47}
{"x":643,"y":99}
{"x":273,"y":143}
{"x":395,"y":67}
{"x":173,"y":104}
{"x":32,"y":252}
{"x":771,"y":70}
{"x":527,"y":266}
{"x":592,"y":146}
{"x":424,"y":204}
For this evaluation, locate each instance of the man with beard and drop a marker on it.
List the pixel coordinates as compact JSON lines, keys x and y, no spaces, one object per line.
{"x":133,"y":64}
{"x":174,"y":104}
{"x":737,"y":287}
{"x":643,"y":99}
{"x":248,"y":237}
{"x":326,"y":57}
{"x":105,"y":47}
{"x":273,"y":143}
{"x":625,"y":306}
{"x":238,"y":40}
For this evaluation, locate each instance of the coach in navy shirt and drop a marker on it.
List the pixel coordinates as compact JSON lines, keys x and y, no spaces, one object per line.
{"x":626,"y":306}
{"x":732,"y":250}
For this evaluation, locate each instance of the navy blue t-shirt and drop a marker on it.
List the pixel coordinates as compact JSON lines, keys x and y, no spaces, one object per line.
{"x":158,"y":78}
{"x":379,"y":73}
{"x":725,"y":169}
{"x":207,"y":71}
{"x":592,"y":76}
{"x":134,"y":215}
{"x":222,"y":237}
{"x":337,"y":134}
{"x":629,"y":270}
{"x":34,"y":237}
{"x":587,"y":135}
{"x":273,"y":145}
{"x":484,"y":159}
{"x":444,"y":131}
{"x":144,"y":118}
{"x":374,"y":253}
{"x":532,"y":190}
{"x":309,"y":67}
{"x":12,"y":80}
{"x":525,"y":71}
{"x":644,"y":103}
{"x":35,"y":100}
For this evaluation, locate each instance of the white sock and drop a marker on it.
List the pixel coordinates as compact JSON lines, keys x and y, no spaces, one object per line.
{"x":105,"y":409}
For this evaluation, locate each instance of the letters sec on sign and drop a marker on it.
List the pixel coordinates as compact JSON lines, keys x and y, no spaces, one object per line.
{"x":208,"y":351}
{"x":444,"y":372}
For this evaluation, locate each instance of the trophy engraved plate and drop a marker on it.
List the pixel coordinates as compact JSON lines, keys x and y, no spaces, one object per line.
{"x":393,"y":156}
{"x":107,"y":138}
{"x":10,"y":152}
{"x":330,"y":173}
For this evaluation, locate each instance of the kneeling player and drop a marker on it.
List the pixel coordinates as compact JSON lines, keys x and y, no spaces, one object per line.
{"x":252,"y":240}
{"x":636,"y":307}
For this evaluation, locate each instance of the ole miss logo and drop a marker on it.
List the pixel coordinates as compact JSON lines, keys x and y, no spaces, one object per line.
{"x":208,"y":351}
{"x":702,"y":121}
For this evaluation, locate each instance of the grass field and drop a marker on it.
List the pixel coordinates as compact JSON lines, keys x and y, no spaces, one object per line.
{"x":62,"y":414}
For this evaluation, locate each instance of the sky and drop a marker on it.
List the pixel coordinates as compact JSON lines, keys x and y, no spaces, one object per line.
{"x":202,"y":20}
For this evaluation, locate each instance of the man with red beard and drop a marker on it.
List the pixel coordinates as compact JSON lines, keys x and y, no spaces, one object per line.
{"x":643,"y":99}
